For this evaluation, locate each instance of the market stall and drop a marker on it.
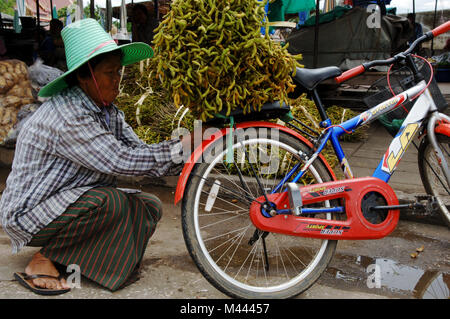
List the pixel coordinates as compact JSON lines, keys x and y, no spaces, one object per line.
{"x":21,"y":72}
{"x":22,"y":39}
{"x":314,"y":40}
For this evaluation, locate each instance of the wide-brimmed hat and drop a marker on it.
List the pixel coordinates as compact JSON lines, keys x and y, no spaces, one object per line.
{"x":85,"y":39}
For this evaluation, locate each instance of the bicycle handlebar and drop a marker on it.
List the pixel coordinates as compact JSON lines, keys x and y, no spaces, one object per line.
{"x":441,"y":29}
{"x":350,"y":74}
{"x":401,"y":56}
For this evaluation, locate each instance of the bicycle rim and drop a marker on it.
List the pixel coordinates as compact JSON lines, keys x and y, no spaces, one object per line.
{"x":433,"y":177}
{"x":273,"y":265}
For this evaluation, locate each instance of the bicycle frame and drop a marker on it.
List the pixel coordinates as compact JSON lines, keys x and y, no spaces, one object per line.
{"x":352,"y":191}
{"x":423,"y":106}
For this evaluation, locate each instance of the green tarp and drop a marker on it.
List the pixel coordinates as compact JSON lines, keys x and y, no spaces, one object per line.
{"x":279,"y":8}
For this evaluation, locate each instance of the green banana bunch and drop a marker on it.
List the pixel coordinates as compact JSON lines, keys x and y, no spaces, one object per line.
{"x":211,"y":57}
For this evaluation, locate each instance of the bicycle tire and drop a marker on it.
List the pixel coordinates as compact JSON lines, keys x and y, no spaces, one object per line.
{"x":209,"y":262}
{"x":433,"y":178}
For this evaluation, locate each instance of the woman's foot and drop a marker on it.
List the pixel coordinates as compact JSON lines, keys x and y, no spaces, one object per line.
{"x":41,"y":265}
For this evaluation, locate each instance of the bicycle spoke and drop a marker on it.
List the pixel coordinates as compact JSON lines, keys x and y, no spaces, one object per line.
{"x":282,"y":261}
{"x":239,"y":236}
{"x":220,"y":221}
{"x":235,"y":184}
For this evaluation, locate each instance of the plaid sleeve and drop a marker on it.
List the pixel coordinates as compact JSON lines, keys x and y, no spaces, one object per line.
{"x":85,"y":142}
{"x":127,"y":133}
{"x":176,"y":152}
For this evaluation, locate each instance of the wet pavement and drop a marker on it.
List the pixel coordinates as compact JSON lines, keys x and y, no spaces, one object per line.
{"x":357,"y":264}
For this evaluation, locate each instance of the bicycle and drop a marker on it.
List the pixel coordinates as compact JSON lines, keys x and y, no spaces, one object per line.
{"x":262,"y":216}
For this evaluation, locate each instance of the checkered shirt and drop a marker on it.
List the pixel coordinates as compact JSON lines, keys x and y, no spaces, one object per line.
{"x":66,"y":148}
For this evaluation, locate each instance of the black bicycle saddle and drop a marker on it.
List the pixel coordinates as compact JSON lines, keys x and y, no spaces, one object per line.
{"x":310,"y":78}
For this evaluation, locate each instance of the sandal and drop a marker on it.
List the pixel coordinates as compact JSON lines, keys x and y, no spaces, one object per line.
{"x":24,"y":280}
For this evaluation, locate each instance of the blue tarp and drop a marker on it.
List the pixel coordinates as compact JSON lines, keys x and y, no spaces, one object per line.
{"x":365,"y":3}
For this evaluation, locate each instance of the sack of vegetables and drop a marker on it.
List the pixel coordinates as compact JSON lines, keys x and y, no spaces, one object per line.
{"x":212,"y":57}
{"x":15,"y":91}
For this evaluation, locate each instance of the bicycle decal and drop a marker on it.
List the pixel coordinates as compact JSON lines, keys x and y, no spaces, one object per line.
{"x":398,"y":147}
{"x":345,"y":166}
{"x":364,"y":117}
{"x":380,"y":109}
{"x":396,"y":101}
{"x":322,"y":229}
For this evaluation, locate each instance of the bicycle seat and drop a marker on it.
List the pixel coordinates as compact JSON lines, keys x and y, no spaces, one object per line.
{"x":310,"y":78}
{"x":269,"y":110}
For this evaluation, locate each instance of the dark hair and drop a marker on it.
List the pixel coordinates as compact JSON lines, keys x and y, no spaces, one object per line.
{"x":84,"y":72}
{"x":56,"y":23}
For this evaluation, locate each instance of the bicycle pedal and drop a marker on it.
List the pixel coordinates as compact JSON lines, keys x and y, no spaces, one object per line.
{"x":430,"y":207}
{"x":424,"y":197}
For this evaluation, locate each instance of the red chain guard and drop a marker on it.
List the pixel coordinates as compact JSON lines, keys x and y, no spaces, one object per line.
{"x":356,"y":226}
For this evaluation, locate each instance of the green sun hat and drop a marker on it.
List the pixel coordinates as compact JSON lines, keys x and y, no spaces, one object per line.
{"x":86,"y":39}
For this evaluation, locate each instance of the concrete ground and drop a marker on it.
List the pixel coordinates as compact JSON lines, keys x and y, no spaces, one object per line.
{"x":169,"y":272}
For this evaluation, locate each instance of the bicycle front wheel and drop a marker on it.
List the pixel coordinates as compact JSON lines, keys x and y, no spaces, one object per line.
{"x":229,"y":251}
{"x":432,"y":176}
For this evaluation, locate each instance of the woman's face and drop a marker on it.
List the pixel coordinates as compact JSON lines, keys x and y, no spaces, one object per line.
{"x":107,"y":76}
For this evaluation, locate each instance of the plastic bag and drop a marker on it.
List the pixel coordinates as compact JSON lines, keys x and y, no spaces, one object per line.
{"x":42,"y":74}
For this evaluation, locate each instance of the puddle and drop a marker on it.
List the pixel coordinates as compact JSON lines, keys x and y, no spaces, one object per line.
{"x":392,"y":277}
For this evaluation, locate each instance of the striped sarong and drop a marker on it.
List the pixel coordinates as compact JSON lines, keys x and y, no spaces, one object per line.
{"x":105,"y":233}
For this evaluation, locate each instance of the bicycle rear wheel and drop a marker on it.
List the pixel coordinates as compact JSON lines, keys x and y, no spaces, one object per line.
{"x":229,"y":251}
{"x":432,"y":176}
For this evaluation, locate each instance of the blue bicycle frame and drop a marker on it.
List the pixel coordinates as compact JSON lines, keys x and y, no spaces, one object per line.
{"x":411,"y":125}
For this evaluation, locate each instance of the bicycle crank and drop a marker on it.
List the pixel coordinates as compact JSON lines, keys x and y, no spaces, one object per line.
{"x":424,"y":205}
{"x":357,"y":195}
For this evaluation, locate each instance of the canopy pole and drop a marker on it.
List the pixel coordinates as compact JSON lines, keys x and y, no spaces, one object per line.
{"x":316,"y":36}
{"x":79,"y":12}
{"x":108,"y":15}
{"x":434,"y":26}
{"x":123,"y":19}
{"x":38,"y":15}
{"x":92,"y":9}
